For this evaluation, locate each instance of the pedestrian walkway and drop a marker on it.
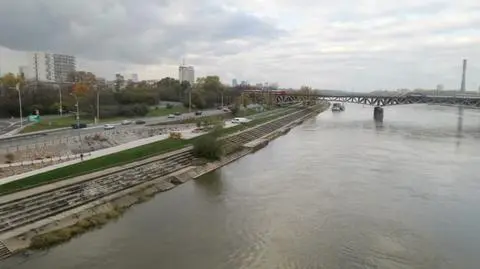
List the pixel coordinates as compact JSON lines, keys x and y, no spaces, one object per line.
{"x":95,"y":154}
{"x":186,"y":134}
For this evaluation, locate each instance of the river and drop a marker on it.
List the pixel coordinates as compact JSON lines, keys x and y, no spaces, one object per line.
{"x":336,"y":192}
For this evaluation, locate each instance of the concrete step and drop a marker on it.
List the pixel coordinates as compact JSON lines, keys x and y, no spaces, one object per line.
{"x":4,"y":251}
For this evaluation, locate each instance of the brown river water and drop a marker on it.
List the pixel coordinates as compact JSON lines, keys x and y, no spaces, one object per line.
{"x":338,"y":191}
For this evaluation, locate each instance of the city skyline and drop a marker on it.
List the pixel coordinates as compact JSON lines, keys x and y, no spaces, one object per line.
{"x":338,"y":45}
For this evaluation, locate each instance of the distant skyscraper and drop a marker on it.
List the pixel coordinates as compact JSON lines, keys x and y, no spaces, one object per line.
{"x":50,"y":67}
{"x":234,"y":82}
{"x":186,"y":73}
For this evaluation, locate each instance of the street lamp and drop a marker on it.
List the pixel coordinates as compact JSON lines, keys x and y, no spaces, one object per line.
{"x":78,"y":109}
{"x":17,"y":87}
{"x":190,"y":100}
{"x":60,"y":107}
{"x":78,"y":122}
{"x":98,"y":103}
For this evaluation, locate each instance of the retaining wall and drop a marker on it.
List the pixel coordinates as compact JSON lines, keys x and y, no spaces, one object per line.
{"x":21,"y":238}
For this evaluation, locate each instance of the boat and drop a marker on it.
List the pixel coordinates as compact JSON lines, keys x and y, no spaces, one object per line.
{"x":337,"y":107}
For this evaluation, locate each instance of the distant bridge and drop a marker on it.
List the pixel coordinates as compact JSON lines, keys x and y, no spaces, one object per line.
{"x":284,"y":97}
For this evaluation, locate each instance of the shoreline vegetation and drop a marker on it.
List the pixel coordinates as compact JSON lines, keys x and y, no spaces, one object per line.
{"x":118,"y":208}
{"x":96,"y":221}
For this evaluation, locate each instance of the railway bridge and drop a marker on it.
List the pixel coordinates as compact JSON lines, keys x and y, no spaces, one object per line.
{"x":377,"y":101}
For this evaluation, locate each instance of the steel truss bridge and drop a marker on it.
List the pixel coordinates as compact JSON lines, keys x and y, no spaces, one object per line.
{"x":365,"y":99}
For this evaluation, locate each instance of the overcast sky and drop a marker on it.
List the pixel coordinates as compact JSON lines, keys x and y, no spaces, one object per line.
{"x":356,"y":45}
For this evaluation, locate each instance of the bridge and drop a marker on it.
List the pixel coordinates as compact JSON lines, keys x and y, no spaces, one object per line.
{"x":284,"y":97}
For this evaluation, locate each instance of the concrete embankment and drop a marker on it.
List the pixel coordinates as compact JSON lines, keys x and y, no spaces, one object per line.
{"x":70,"y":223}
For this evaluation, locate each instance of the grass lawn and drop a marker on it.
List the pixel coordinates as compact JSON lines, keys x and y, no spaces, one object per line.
{"x":119,"y":158}
{"x":61,"y":122}
{"x":54,"y":123}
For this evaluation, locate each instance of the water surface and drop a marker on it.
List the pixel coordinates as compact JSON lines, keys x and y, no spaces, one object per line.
{"x":337,"y":192}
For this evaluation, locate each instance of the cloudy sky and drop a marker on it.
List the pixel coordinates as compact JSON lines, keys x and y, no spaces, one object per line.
{"x":356,"y":45}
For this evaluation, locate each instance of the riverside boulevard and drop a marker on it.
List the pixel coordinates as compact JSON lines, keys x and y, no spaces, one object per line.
{"x":68,"y":132}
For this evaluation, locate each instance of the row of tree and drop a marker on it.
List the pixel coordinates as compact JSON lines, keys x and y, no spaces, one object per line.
{"x":84,"y":87}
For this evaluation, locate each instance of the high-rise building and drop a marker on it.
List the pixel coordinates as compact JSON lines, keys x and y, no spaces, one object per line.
{"x":186,"y":73}
{"x":234,"y":82}
{"x":51,"y":67}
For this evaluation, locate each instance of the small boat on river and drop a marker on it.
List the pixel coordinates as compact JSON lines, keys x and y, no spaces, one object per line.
{"x":337,"y":107}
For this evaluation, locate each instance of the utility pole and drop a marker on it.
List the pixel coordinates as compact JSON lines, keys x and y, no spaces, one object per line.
{"x":78,"y":122}
{"x":98,"y":103}
{"x":17,"y":87}
{"x":60,"y":95}
{"x":190,"y":100}
{"x":462,"y":89}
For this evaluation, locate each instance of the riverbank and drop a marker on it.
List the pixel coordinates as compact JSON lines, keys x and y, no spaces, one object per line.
{"x":70,"y":223}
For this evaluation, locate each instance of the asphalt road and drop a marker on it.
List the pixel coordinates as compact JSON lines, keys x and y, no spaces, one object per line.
{"x":13,"y":141}
{"x":8,"y":126}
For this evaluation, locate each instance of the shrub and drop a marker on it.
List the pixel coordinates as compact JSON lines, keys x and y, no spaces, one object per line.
{"x":169,"y":106}
{"x":208,"y":147}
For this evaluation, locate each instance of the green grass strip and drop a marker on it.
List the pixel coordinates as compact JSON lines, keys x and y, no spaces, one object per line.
{"x":117,"y":159}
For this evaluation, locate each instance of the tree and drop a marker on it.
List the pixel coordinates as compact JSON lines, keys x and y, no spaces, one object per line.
{"x":208,"y":146}
{"x":83,"y":81}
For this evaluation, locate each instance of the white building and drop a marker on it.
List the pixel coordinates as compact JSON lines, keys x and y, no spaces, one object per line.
{"x":186,"y":73}
{"x":51,"y":67}
{"x":131,"y":77}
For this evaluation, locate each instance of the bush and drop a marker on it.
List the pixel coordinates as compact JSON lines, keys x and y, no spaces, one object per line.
{"x":169,"y":106}
{"x":208,"y":147}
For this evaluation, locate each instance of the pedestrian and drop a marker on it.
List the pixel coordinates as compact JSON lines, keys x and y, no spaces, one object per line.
{"x":81,"y":156}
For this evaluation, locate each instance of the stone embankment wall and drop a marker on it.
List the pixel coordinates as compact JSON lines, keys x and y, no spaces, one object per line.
{"x":73,"y":222}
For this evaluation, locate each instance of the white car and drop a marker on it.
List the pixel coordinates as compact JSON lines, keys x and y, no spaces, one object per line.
{"x":171,"y":116}
{"x":240,"y":120}
{"x":108,"y":126}
{"x":126,"y":122}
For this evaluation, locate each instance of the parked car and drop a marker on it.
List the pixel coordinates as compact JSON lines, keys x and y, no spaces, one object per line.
{"x":79,"y":126}
{"x":177,"y":113}
{"x":171,"y":116}
{"x":126,"y":122}
{"x":108,"y":126}
{"x":139,"y":122}
{"x":198,"y":113}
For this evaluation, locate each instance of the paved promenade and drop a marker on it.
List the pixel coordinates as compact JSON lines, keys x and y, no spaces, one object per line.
{"x":187,"y":134}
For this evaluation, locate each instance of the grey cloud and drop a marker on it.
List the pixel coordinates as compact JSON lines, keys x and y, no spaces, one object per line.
{"x":127,"y":31}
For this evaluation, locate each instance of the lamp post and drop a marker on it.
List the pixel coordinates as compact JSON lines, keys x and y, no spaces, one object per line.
{"x":190,"y":100}
{"x":17,"y":87}
{"x":60,"y":106}
{"x":98,"y":102}
{"x":78,"y":122}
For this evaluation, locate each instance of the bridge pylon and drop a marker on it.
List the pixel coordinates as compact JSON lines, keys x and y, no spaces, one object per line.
{"x":378,"y":113}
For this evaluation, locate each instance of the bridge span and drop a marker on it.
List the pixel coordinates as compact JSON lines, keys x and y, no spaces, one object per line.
{"x":377,"y":101}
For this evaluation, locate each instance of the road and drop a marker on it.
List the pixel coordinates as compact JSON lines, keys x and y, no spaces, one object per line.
{"x":35,"y":138}
{"x":8,"y":126}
